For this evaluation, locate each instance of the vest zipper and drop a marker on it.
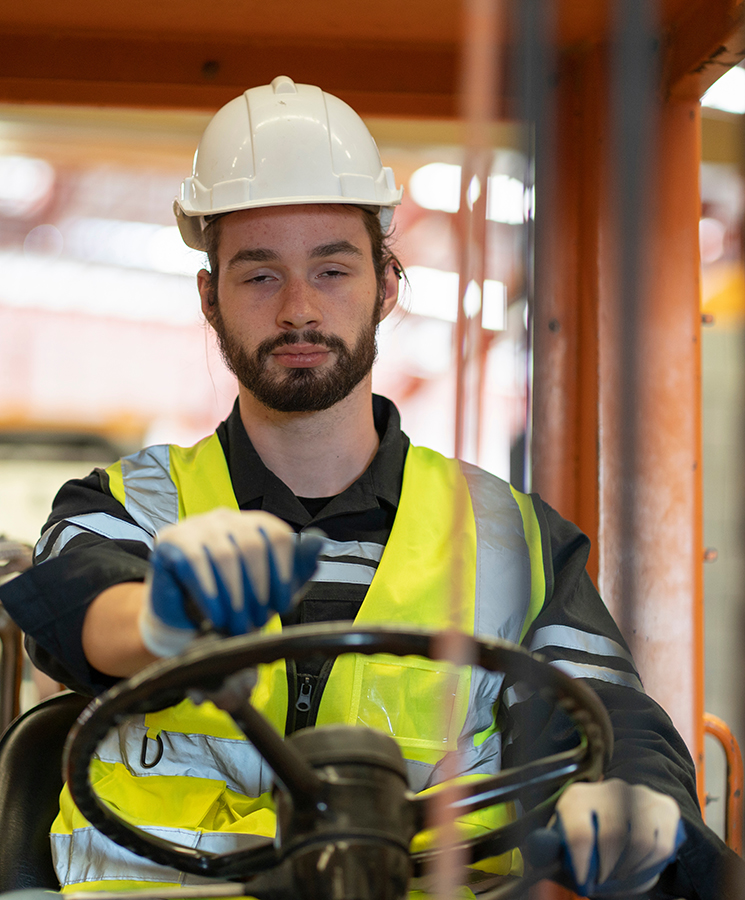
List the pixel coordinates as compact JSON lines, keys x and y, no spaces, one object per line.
{"x":291,"y":669}
{"x":300,"y":695}
{"x":304,"y":695}
{"x":320,"y":684}
{"x":306,"y":692}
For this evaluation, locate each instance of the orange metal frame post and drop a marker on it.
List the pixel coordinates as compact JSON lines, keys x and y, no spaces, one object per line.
{"x":577,"y":423}
{"x":565,"y":329}
{"x":733,"y":822}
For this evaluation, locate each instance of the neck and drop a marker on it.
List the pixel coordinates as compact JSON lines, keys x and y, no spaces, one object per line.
{"x":316,"y":454}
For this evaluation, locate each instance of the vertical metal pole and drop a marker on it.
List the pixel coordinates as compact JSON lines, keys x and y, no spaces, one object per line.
{"x":534,"y":63}
{"x":478,"y":105}
{"x":479,"y":90}
{"x":634,"y":91}
{"x":535,"y":60}
{"x":667,"y":541}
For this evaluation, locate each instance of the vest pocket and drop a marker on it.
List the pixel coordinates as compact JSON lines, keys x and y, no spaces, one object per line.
{"x":420,"y":702}
{"x":183,"y":803}
{"x":173,"y":800}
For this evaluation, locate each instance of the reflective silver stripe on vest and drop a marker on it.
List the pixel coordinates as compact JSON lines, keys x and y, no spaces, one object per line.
{"x":344,"y":572}
{"x":111,"y":527}
{"x":348,"y":562}
{"x":517,"y":693}
{"x":87,"y":855}
{"x":502,"y":562}
{"x":599,"y":673}
{"x":151,"y":497}
{"x":42,"y":542}
{"x":520,"y":693}
{"x":234,"y":761}
{"x":95,"y":523}
{"x":503,"y":584}
{"x":576,"y":639}
{"x":361,"y":549}
{"x":63,"y":538}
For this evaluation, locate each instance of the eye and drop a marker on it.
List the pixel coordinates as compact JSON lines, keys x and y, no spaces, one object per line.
{"x":333,"y":272}
{"x":260,"y":278}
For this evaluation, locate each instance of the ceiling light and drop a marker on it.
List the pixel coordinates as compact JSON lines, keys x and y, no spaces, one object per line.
{"x":728,"y":93}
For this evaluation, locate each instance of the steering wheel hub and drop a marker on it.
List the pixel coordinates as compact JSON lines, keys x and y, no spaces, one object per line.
{"x":351,"y":840}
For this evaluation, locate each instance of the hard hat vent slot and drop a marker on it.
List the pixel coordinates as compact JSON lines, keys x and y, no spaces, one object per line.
{"x":356,"y":185}
{"x":231,"y":193}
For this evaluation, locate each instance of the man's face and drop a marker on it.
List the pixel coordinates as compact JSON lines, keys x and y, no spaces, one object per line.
{"x":296,"y":303}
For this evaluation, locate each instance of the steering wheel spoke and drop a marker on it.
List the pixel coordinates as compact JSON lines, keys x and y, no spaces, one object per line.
{"x":510,"y":784}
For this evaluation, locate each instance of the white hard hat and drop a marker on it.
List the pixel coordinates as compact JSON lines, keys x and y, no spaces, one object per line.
{"x":280,"y":144}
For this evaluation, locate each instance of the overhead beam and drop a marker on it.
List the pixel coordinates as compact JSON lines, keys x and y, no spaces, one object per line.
{"x":702,"y":44}
{"x":403,"y":78}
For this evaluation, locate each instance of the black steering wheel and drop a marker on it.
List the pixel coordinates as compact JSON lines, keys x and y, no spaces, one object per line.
{"x":340,"y":790}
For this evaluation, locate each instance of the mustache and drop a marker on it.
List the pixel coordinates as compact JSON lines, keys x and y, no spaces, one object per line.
{"x":331,"y":341}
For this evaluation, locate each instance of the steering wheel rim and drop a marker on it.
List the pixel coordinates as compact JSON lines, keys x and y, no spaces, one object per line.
{"x":210,"y":660}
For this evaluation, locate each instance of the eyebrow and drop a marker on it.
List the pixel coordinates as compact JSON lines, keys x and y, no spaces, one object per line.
{"x":256,"y":254}
{"x":336,"y":248}
{"x":264,"y":254}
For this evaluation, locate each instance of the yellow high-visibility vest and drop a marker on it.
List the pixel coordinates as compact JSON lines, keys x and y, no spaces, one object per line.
{"x":465,"y":552}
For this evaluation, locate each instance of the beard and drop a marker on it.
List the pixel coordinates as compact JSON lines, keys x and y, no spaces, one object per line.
{"x":302,"y":389}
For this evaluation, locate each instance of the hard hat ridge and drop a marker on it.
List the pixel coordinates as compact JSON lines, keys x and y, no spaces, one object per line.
{"x":281,"y":144}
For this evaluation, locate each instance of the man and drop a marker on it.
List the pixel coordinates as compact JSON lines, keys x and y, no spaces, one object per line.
{"x":290,"y":201}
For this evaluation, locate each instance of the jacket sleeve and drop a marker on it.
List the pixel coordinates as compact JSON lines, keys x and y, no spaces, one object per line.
{"x":577,"y":634}
{"x":88,"y":544}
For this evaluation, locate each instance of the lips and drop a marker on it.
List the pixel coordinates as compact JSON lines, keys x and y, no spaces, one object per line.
{"x":300,"y":355}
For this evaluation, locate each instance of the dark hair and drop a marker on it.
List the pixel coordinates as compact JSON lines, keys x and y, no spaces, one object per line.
{"x":211,"y":236}
{"x":382,"y":254}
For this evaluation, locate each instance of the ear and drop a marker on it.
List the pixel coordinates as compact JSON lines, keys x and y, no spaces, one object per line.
{"x":204,"y":282}
{"x":392,"y":281}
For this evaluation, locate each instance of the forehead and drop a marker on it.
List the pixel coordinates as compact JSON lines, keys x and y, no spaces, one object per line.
{"x":291,"y":229}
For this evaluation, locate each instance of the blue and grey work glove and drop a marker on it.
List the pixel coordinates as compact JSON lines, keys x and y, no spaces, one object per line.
{"x":616,"y":838}
{"x":224,"y":568}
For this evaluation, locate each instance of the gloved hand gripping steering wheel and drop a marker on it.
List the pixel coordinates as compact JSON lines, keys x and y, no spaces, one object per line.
{"x":340,"y":792}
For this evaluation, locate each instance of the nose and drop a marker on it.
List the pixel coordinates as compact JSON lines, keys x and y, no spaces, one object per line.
{"x":299,"y":307}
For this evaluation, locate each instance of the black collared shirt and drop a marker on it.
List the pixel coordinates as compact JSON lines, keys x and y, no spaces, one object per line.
{"x":378,"y":487}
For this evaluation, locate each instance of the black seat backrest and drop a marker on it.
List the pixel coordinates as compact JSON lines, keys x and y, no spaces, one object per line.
{"x":30,"y":783}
